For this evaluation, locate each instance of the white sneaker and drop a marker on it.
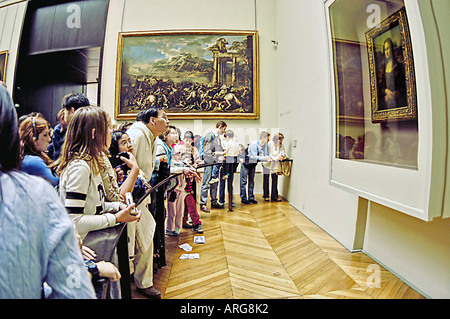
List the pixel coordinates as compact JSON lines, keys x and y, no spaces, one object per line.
{"x":214,"y":180}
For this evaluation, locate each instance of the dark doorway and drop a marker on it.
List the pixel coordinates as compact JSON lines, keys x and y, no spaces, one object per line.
{"x":58,"y":56}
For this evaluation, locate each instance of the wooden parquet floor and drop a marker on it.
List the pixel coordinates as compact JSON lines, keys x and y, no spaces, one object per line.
{"x":270,"y":250}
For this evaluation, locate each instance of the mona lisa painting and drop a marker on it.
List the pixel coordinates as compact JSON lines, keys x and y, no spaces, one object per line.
{"x":392,"y":77}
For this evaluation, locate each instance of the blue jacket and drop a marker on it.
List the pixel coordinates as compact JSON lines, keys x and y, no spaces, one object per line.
{"x":54,"y":149}
{"x":37,"y":242}
{"x":254,"y":149}
{"x":34,"y":165}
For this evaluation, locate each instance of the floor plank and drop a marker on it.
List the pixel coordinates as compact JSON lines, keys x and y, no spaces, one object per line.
{"x":270,"y":250}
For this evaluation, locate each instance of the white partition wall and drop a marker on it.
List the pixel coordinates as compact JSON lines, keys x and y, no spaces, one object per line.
{"x":406,"y":188}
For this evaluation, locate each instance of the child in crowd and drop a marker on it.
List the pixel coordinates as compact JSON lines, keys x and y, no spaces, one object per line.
{"x":175,"y":199}
{"x":127,"y":173}
{"x":140,"y":235}
{"x":232,"y":150}
{"x":190,"y":156}
{"x":216,"y":168}
{"x":190,"y":153}
{"x":175,"y":203}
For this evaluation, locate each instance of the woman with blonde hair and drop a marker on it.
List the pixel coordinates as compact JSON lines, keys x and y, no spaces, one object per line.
{"x":81,"y":185}
{"x":34,"y":138}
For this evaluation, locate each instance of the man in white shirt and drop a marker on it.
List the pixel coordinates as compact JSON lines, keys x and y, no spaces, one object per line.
{"x":150,"y":123}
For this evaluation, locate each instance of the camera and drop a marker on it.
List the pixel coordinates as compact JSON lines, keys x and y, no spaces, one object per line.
{"x":129,"y":201}
{"x":123,"y":154}
{"x":116,"y":161}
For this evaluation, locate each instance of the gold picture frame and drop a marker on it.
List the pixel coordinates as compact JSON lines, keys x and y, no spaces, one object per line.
{"x":391,"y":67}
{"x":3,"y":63}
{"x":191,"y":74}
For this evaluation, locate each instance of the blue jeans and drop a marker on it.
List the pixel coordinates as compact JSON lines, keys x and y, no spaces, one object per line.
{"x":227,"y":169}
{"x":215,"y":171}
{"x":206,"y":186}
{"x":247,"y":174}
{"x":222,"y":186}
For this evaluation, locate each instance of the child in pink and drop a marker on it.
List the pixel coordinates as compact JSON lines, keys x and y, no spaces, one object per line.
{"x":189,"y":155}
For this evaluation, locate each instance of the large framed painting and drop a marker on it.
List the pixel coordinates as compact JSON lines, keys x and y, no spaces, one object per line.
{"x":3,"y":61}
{"x":202,"y":74}
{"x":349,"y":80}
{"x":391,"y":65}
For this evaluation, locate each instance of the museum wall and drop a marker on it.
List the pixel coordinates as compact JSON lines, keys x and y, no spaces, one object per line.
{"x":416,"y":251}
{"x":437,"y":26}
{"x":11,"y":18}
{"x":150,"y":15}
{"x":144,"y":15}
{"x":304,"y":105}
{"x":295,"y":98}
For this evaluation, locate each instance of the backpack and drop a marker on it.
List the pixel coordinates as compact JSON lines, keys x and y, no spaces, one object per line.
{"x":202,"y":145}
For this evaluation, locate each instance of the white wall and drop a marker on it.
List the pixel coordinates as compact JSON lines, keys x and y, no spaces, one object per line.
{"x":416,"y":251}
{"x":419,"y":251}
{"x":11,"y":19}
{"x":148,"y":15}
{"x":304,"y":102}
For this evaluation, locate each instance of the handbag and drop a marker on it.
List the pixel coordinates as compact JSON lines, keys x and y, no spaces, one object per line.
{"x":285,"y":167}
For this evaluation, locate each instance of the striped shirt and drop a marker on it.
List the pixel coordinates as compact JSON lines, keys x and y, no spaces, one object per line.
{"x":83,"y":195}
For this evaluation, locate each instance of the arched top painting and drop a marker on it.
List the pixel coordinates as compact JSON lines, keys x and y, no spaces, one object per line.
{"x":190,"y":74}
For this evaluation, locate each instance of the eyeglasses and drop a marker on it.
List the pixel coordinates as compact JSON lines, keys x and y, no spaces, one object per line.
{"x":125,"y":142}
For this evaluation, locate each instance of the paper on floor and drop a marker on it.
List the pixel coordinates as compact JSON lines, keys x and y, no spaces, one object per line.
{"x":199,"y":239}
{"x":190,"y":256}
{"x":186,"y":247}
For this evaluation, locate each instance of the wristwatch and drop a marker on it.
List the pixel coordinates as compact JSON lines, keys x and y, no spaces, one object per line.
{"x":93,"y":269}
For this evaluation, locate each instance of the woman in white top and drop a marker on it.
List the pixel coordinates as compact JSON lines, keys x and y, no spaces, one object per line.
{"x":277,"y":153}
{"x":80,"y":185}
